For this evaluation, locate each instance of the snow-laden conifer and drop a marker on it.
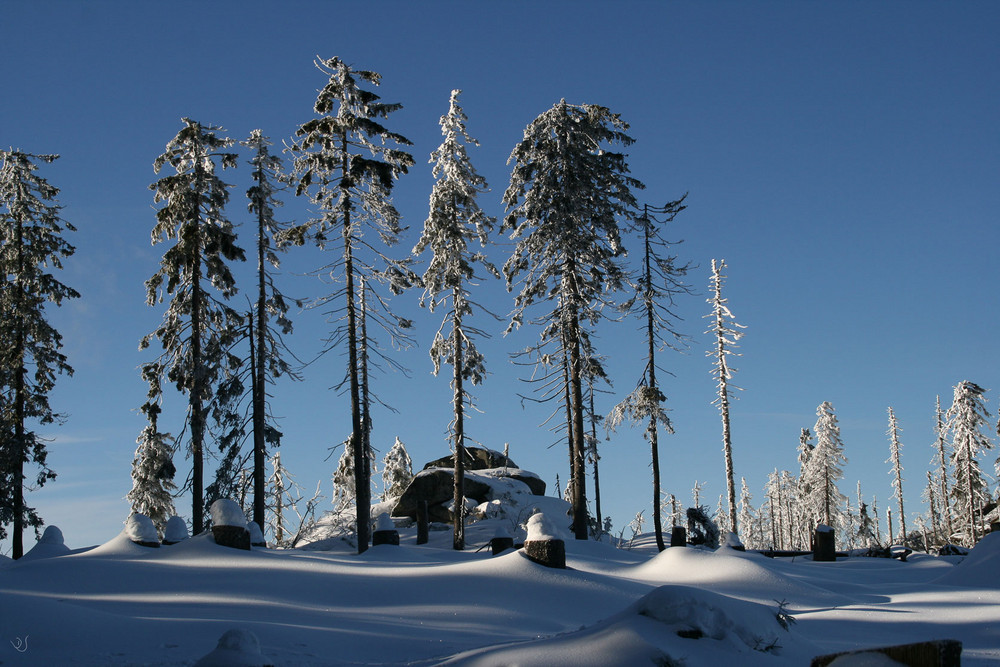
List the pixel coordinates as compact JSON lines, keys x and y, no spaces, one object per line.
{"x":657,"y":283}
{"x":748,"y":517}
{"x":823,"y":500}
{"x":895,"y":448}
{"x":199,"y":328}
{"x":270,"y":320}
{"x":568,"y":193}
{"x":397,"y":471}
{"x":966,"y":419}
{"x":726,"y":332}
{"x":454,"y":222}
{"x":153,"y":468}
{"x":31,"y":249}
{"x":940,"y":461}
{"x":347,"y":162}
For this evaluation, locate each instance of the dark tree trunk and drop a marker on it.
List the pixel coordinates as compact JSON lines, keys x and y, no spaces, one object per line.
{"x":259,"y":386}
{"x":652,"y":386}
{"x":20,"y":452}
{"x":458,"y":543}
{"x":362,"y":483}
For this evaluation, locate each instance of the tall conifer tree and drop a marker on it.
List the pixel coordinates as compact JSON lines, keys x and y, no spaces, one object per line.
{"x":455,"y":221}
{"x":199,"y":327}
{"x":966,"y":419}
{"x":727,"y":332}
{"x":658,"y":282}
{"x":31,"y":247}
{"x":347,"y":162}
{"x":568,"y":193}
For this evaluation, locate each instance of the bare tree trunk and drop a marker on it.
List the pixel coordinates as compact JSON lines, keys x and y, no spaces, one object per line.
{"x":458,"y":541}
{"x":259,"y":390}
{"x":362,"y":483}
{"x":20,"y":447}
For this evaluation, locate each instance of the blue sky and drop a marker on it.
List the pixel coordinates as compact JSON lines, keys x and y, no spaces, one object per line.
{"x":843,"y":158}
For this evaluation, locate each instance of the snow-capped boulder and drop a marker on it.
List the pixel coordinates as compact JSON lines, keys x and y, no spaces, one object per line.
{"x":140,"y":529}
{"x":175,"y":531}
{"x":479,"y":458}
{"x":50,"y":544}
{"x":436,"y":486}
{"x":236,"y":648}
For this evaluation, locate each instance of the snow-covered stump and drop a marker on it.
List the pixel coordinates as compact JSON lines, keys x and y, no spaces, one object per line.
{"x":236,"y":647}
{"x":256,"y":535}
{"x":140,"y":529}
{"x":175,"y":531}
{"x":385,"y":531}
{"x":422,"y":530}
{"x":501,"y":541}
{"x":939,"y":653}
{"x":542,"y":546}
{"x":229,"y":525}
{"x":824,"y":545}
{"x":678,"y":537}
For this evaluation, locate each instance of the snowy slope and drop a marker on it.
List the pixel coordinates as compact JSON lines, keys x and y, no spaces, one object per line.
{"x":122,"y":604}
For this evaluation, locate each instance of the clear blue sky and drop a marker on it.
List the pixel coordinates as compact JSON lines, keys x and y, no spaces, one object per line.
{"x":842,"y":157}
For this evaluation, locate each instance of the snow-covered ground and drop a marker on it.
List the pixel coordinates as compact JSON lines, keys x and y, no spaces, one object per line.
{"x":124,"y":604}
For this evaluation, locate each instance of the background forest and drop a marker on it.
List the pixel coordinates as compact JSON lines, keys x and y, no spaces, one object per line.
{"x":844,"y":169}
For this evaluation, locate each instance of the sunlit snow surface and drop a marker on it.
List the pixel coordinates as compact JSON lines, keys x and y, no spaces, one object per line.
{"x":123,"y":604}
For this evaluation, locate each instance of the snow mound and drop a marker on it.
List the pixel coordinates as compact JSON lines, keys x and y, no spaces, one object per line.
{"x":384,"y":522}
{"x":49,"y":545}
{"x":226,"y":512}
{"x":237,"y":648}
{"x":695,"y":613}
{"x":979,"y":568}
{"x":671,"y":625}
{"x":140,"y":528}
{"x":256,"y":534}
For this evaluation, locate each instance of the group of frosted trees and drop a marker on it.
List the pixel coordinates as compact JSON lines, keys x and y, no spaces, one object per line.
{"x":569,"y":205}
{"x":959,"y":504}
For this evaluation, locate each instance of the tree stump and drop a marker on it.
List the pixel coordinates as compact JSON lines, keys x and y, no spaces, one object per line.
{"x":422,"y":522}
{"x":501,"y":543}
{"x":235,"y":537}
{"x":385,"y":537}
{"x":550,"y":553}
{"x":824,"y":545}
{"x":678,"y":536}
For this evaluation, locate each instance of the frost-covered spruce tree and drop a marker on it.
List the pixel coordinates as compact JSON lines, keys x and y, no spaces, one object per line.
{"x":966,"y":419}
{"x":199,"y":328}
{"x":397,"y":471}
{"x":657,"y":283}
{"x":347,"y":162}
{"x":727,"y":332}
{"x":568,"y":191}
{"x":270,"y":320}
{"x":803,"y":489}
{"x":153,"y":468}
{"x":31,"y":248}
{"x":895,"y":448}
{"x":748,"y":517}
{"x":455,"y":221}
{"x":940,"y":460}
{"x":823,"y":470}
